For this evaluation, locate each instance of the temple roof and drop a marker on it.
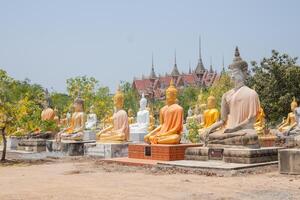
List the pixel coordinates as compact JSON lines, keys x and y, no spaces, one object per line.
{"x":175,"y":71}
{"x":200,"y":69}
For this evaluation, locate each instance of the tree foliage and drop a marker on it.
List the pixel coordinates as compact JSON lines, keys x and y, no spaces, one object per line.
{"x":277,"y":80}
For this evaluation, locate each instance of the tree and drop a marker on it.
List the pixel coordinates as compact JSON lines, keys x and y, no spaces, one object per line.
{"x":277,"y":81}
{"x":188,"y":97}
{"x":61,"y":102}
{"x":131,"y":97}
{"x":85,"y":86}
{"x":221,"y":86}
{"x":103,"y":103}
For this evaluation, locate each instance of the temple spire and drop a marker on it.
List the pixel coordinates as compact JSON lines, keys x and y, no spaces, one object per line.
{"x":200,"y":69}
{"x":152,"y":74}
{"x":175,"y":71}
{"x":210,"y":68}
{"x":200,"y":57}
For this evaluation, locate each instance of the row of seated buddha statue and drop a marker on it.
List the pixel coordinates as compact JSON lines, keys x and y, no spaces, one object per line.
{"x":238,"y":124}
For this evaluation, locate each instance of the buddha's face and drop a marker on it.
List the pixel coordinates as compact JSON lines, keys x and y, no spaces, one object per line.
{"x":211,"y":103}
{"x":118,"y":102}
{"x":78,"y":107}
{"x":237,"y":76}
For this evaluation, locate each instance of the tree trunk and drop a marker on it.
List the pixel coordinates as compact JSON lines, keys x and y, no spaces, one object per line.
{"x":4,"y":144}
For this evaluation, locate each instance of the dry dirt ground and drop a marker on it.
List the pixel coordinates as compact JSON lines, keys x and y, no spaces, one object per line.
{"x":89,"y":179}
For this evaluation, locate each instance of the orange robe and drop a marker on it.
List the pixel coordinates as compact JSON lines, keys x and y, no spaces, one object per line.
{"x":171,"y":118}
{"x":210,"y":117}
{"x":48,"y":114}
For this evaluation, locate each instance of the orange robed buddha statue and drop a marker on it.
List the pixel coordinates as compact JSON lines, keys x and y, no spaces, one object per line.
{"x":118,"y":131}
{"x":171,"y":119}
{"x":77,"y":125}
{"x":239,"y":109}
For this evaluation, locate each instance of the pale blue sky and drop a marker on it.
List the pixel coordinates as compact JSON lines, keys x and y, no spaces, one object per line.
{"x":50,"y":41}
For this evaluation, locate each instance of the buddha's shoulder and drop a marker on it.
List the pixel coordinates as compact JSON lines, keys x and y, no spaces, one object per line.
{"x":122,"y":112}
{"x":177,"y":107}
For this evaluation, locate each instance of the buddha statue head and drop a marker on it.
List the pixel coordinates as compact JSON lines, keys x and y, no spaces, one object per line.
{"x":171,"y":94}
{"x":119,"y":99}
{"x":130,"y":112}
{"x":211,"y":102}
{"x":294,"y":104}
{"x":143,"y":102}
{"x":92,"y":109}
{"x":78,"y":104}
{"x":238,"y":69}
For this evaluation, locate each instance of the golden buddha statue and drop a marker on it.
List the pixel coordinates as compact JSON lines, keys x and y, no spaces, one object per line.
{"x":260,"y":124}
{"x":130,"y":116}
{"x":76,"y":127}
{"x":118,"y":131}
{"x":171,"y":121}
{"x":290,"y":122}
{"x":151,"y":120}
{"x":210,"y":115}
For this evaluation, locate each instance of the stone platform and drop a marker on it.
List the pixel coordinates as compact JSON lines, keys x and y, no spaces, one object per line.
{"x":67,"y":147}
{"x":159,"y":151}
{"x":233,"y":155}
{"x":32,"y":145}
{"x":106,"y":150}
{"x":289,"y":161}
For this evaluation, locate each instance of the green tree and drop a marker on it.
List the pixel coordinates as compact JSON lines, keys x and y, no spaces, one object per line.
{"x":221,"y":86}
{"x":277,"y":80}
{"x":131,"y":97}
{"x":61,"y":102}
{"x":85,"y":86}
{"x":188,"y":97}
{"x":103,"y":103}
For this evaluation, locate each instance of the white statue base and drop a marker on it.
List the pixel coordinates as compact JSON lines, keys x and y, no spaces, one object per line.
{"x":137,"y":137}
{"x":106,"y":150}
{"x":89,"y":135}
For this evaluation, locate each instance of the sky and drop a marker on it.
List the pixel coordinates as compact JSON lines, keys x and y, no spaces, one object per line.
{"x":51,"y":41}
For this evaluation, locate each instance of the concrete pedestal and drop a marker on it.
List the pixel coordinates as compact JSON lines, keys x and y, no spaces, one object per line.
{"x":12,"y":143}
{"x":89,"y":135}
{"x":233,"y":155}
{"x":106,"y":150}
{"x":137,"y":137}
{"x":67,"y":147}
{"x":289,"y":161}
{"x":32,"y":145}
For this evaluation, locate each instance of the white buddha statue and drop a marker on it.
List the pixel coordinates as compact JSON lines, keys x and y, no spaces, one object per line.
{"x":91,"y":122}
{"x":142,"y":124}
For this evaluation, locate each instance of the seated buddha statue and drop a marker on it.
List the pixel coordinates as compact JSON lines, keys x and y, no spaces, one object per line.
{"x":171,"y":121}
{"x":91,"y":121}
{"x":142,"y":124}
{"x":260,"y":124}
{"x":151,"y":120}
{"x":239,"y":109}
{"x":56,"y":117}
{"x":210,"y":115}
{"x":118,"y":131}
{"x":130,"y":116}
{"x":290,"y":122}
{"x":77,"y":124}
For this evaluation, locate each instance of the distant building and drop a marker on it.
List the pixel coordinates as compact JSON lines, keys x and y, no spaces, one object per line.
{"x":154,"y":86}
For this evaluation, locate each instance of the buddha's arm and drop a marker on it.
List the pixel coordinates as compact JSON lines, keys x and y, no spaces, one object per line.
{"x":240,"y":126}
{"x":286,"y":123}
{"x":82,"y":121}
{"x":155,"y":130}
{"x":105,"y":130}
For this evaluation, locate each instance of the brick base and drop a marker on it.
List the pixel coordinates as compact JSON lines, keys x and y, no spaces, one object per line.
{"x":159,"y":151}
